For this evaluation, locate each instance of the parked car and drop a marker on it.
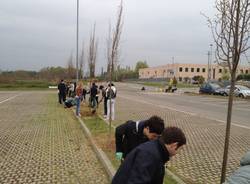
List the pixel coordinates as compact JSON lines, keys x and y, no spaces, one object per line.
{"x":210,"y":88}
{"x":239,"y":91}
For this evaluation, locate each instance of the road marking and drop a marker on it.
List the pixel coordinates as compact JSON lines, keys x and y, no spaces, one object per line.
{"x":185,"y":112}
{"x":9,"y":99}
{"x":161,"y":106}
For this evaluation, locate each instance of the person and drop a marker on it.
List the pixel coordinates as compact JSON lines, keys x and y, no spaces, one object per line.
{"x":130,"y":134}
{"x":241,"y":175}
{"x":111,"y":95}
{"x":145,"y":164}
{"x":170,"y":84}
{"x":62,"y":91}
{"x":105,"y":99}
{"x":71,"y":89}
{"x":84,"y":92}
{"x":79,"y":88}
{"x":93,"y":93}
{"x":69,"y":102}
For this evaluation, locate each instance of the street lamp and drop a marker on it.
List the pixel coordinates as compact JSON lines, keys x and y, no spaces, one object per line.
{"x":77,"y":32}
{"x":211,"y":58}
{"x":209,"y":63}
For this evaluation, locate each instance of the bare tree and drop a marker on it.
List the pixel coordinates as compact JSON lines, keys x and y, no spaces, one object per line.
{"x":81,"y":66}
{"x":93,"y":44}
{"x":230,"y":29}
{"x":109,"y":41}
{"x":70,"y":67}
{"x":114,"y":43}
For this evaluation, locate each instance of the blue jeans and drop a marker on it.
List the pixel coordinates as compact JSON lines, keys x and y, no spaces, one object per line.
{"x":78,"y":101}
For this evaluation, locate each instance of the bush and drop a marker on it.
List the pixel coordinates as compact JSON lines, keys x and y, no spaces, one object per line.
{"x":243,"y":77}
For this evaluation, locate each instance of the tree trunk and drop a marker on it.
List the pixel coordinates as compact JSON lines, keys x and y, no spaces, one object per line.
{"x":228,"y":127}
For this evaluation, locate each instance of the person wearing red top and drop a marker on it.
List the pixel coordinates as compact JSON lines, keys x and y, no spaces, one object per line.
{"x":79,"y":89}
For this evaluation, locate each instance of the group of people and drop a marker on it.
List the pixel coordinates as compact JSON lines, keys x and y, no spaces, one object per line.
{"x":144,"y":147}
{"x":77,"y":93}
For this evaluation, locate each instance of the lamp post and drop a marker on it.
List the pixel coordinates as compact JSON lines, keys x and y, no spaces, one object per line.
{"x":77,"y":32}
{"x":209,"y":63}
{"x":211,"y":58}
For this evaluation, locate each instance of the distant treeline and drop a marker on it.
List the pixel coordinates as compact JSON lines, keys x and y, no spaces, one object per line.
{"x":54,"y":74}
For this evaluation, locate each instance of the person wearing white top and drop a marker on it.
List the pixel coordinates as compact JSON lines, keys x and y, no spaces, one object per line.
{"x":111,"y":95}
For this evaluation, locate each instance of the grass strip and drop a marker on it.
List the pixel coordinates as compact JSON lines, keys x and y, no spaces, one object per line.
{"x":105,"y":138}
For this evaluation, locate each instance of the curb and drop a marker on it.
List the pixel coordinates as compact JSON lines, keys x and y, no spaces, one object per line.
{"x":110,"y":170}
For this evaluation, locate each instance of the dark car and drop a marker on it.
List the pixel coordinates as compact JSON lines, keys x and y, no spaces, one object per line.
{"x":211,"y":88}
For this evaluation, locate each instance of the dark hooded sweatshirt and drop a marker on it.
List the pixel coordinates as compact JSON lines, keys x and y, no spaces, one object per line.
{"x":143,"y":165}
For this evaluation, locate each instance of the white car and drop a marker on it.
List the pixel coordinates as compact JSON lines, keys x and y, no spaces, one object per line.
{"x":239,"y":91}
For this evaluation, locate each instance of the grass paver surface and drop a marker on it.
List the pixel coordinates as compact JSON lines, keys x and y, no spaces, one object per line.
{"x":41,"y":142}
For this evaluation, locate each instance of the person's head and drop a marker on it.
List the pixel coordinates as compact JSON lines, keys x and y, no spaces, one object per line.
{"x":101,"y":87}
{"x":62,"y":80}
{"x":93,"y":84}
{"x":79,"y":84}
{"x":153,"y":127}
{"x":174,"y":139}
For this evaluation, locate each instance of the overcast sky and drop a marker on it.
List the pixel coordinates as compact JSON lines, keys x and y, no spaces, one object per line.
{"x":39,"y":33}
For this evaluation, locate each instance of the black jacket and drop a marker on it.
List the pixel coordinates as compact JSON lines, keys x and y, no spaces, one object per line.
{"x":93,"y":91}
{"x":143,"y":165}
{"x":62,"y":88}
{"x":127,"y":137}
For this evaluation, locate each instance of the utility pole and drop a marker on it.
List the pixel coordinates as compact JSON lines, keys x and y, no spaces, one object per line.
{"x":208,"y":66}
{"x":211,"y":59}
{"x":77,"y":32}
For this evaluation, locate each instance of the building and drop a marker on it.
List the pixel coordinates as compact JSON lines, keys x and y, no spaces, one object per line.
{"x":185,"y":72}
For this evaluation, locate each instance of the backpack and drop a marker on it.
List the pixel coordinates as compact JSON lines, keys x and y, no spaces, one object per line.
{"x":111,"y":93}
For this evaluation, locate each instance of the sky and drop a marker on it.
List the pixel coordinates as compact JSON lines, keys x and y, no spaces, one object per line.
{"x":40,"y":33}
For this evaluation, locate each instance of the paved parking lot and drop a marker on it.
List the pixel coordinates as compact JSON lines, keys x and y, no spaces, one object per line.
{"x":200,"y":161}
{"x":40,"y":142}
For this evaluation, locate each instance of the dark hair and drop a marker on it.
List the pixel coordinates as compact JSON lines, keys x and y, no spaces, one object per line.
{"x":173,"y":134}
{"x":101,"y":87}
{"x":155,"y":124}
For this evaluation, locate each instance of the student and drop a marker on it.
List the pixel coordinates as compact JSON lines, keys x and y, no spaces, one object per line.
{"x":79,"y":89}
{"x":131,"y":134}
{"x":111,"y":95}
{"x":104,"y":97}
{"x":145,"y":164}
{"x":61,"y":91}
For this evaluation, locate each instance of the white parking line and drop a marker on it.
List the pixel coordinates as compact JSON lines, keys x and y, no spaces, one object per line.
{"x":186,"y":112}
{"x":9,"y":99}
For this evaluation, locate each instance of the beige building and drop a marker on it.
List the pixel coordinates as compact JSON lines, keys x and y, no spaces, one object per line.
{"x":185,"y":72}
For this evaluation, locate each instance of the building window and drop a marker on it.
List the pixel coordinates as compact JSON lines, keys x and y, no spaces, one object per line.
{"x":186,"y":69}
{"x":246,"y":71}
{"x":241,"y":71}
{"x":180,"y":69}
{"x":164,"y":71}
{"x":220,"y":70}
{"x":203,"y":70}
{"x":180,"y":79}
{"x":148,"y":73}
{"x":155,"y":72}
{"x":198,"y":69}
{"x":192,"y":69}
